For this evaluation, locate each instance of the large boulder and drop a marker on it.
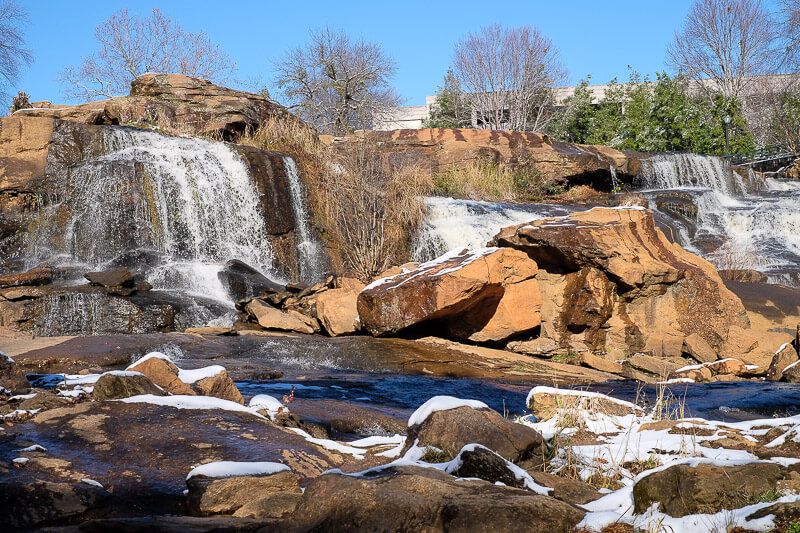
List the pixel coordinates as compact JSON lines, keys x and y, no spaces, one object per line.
{"x":25,"y":505}
{"x":244,"y":282}
{"x":162,"y":372}
{"x":547,"y":402}
{"x":613,"y":282}
{"x":451,"y":429}
{"x":192,"y":105}
{"x":33,"y":277}
{"x":423,"y":499}
{"x":268,"y":495}
{"x":705,"y":489}
{"x":337,"y":311}
{"x":219,"y":385}
{"x":485,"y":295}
{"x":783,"y":359}
{"x":269,"y":317}
{"x":124,"y":384}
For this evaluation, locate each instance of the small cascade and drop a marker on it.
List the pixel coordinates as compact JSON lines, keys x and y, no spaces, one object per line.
{"x":309,"y":251}
{"x":189,"y":199}
{"x":675,"y":171}
{"x":740,"y":220}
{"x":454,"y":224}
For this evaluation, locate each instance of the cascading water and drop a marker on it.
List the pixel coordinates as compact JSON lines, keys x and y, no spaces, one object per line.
{"x":309,"y":251}
{"x":191,"y":200}
{"x":738,"y":222}
{"x":454,"y":224}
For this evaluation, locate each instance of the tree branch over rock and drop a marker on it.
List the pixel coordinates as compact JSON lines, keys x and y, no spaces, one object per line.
{"x":13,"y":54}
{"x":131,"y":46}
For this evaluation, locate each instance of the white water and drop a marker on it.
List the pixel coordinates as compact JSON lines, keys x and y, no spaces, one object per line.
{"x":190,"y":199}
{"x":309,"y":251}
{"x":750,"y":224}
{"x":453,"y":224}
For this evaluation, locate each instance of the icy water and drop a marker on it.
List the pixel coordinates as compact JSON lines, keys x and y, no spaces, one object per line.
{"x":714,"y":401}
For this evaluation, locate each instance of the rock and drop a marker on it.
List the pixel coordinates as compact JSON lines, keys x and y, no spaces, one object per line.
{"x":566,"y":489}
{"x":453,"y":149}
{"x":791,"y":374}
{"x":705,"y":489}
{"x":173,"y":524}
{"x":483,"y":463}
{"x":12,"y":377}
{"x":422,"y":499}
{"x":36,"y":276}
{"x":542,"y":347}
{"x":163,"y":373}
{"x":25,"y":505}
{"x":697,"y":348}
{"x":270,"y":318}
{"x":244,"y":282}
{"x":116,"y":385}
{"x":657,"y":366}
{"x":44,"y":400}
{"x":697,"y":373}
{"x":265,"y":496}
{"x":144,"y":451}
{"x":115,"y":277}
{"x":462,"y":294}
{"x":783,"y":358}
{"x":453,"y":429}
{"x":612,"y":281}
{"x":601,"y":363}
{"x":546,"y":402}
{"x":784,"y":515}
{"x":220,"y":331}
{"x":175,"y":101}
{"x":219,"y":385}
{"x":337,"y":311}
{"x":744,"y":275}
{"x":729,"y":366}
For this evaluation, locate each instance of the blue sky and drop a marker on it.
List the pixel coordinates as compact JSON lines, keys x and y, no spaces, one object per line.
{"x":595,"y":37}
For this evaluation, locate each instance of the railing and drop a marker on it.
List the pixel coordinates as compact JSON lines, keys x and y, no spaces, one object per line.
{"x":762,"y":155}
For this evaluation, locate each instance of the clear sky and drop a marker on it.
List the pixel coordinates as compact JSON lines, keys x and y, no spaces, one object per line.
{"x":597,"y":37}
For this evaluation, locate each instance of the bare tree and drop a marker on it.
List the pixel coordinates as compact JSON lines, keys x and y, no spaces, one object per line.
{"x":337,"y":84}
{"x":723,"y":44}
{"x":509,"y":76}
{"x":13,"y":54}
{"x":131,"y":46}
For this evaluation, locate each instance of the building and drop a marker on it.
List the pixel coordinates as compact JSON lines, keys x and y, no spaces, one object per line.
{"x":412,"y":117}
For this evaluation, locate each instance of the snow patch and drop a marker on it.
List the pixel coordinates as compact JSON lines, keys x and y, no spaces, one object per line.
{"x":221,"y":469}
{"x":441,"y":403}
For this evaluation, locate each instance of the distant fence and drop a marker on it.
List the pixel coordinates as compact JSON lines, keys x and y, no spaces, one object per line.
{"x":768,"y":154}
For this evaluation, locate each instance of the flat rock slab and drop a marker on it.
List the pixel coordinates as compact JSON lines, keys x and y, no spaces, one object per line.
{"x":141,"y":453}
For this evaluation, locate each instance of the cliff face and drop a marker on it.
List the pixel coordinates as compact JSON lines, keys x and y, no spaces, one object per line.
{"x":445,"y":149}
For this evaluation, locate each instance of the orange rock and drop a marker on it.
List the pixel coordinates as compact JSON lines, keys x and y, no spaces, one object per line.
{"x":462,"y":293}
{"x":337,"y":310}
{"x":164,"y":374}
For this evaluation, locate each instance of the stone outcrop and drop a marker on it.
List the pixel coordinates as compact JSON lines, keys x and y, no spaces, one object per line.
{"x":423,"y":499}
{"x":266,"y":496}
{"x":269,"y":317}
{"x":243,"y":281}
{"x":446,"y":149}
{"x":337,"y":311}
{"x":547,"y":402}
{"x":783,"y":359}
{"x":163,"y":373}
{"x":23,"y":506}
{"x":453,"y":429}
{"x":611,"y":281}
{"x":705,"y":489}
{"x":116,"y":385}
{"x":190,"y":105}
{"x":486,"y":295}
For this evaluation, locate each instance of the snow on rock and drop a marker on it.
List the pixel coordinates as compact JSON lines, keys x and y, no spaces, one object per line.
{"x":222,"y":469}
{"x":92,"y":482}
{"x":193,"y":376}
{"x":332,"y":445}
{"x":441,"y":403}
{"x":152,"y":355}
{"x":269,"y":403}
{"x":190,"y":402}
{"x":33,"y":448}
{"x":583,"y":394}
{"x":519,"y":473}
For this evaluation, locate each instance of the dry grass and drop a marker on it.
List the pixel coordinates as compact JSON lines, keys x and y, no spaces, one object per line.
{"x":365,"y":211}
{"x":483,"y":179}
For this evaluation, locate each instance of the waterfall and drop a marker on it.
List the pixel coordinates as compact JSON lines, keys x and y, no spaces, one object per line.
{"x":190,"y":199}
{"x":741,"y":222}
{"x":673,"y":171}
{"x":454,"y":224}
{"x":309,"y":252}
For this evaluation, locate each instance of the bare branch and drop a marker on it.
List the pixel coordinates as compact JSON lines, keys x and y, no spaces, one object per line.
{"x":130,"y":47}
{"x":13,"y":54}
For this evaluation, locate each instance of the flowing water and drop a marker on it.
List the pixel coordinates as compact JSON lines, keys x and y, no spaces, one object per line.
{"x":189,"y":200}
{"x":733,"y":218}
{"x":309,"y":250}
{"x":451,"y":223}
